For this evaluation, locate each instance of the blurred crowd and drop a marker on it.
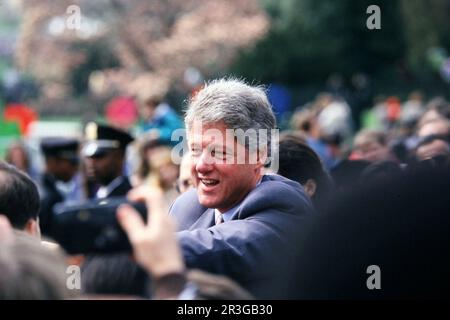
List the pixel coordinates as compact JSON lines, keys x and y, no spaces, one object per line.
{"x":392,"y":174}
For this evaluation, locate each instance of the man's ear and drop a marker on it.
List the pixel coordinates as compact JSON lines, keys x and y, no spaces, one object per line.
{"x":310,"y":187}
{"x":32,"y":228}
{"x":262,"y":157}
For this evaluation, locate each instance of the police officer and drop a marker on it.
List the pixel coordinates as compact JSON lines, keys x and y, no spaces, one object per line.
{"x":60,"y":182}
{"x":104,"y":153}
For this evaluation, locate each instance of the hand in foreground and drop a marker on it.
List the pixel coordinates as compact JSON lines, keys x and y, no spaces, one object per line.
{"x":155,"y":245}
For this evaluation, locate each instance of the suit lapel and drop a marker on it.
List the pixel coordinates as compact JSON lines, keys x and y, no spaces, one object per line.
{"x":205,"y":221}
{"x":121,"y":189}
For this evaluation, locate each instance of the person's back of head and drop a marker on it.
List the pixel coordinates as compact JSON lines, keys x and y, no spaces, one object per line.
{"x":397,"y":227}
{"x":114,"y":274}
{"x":29,"y":271}
{"x":379,"y":171}
{"x":19,"y":199}
{"x":346,"y":174}
{"x":215,"y":287}
{"x":298,"y":162}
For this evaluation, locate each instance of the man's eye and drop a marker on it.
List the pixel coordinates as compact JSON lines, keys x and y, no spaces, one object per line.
{"x":219,"y":154}
{"x":196,"y":151}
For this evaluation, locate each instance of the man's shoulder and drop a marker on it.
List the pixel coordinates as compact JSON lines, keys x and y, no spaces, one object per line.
{"x":46,"y":187}
{"x":126,"y":183}
{"x":122,"y":188}
{"x":274,"y":182}
{"x":276,"y":193}
{"x":188,"y":198}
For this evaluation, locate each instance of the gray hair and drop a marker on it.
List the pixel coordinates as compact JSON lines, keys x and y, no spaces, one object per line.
{"x":240,"y":106}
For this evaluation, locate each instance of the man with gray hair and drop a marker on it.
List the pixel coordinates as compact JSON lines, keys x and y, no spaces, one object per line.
{"x":237,"y":222}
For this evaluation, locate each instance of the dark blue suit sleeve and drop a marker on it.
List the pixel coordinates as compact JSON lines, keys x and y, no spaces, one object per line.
{"x":262,"y":243}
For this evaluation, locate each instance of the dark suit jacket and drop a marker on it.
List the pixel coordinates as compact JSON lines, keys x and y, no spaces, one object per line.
{"x":257,"y":246}
{"x":49,"y":197}
{"x":122,"y":189}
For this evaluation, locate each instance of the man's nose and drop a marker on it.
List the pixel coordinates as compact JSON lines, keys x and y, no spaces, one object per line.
{"x":90,"y":162}
{"x":205,"y":163}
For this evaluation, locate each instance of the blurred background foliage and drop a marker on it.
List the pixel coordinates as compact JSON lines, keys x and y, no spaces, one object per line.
{"x":315,"y":46}
{"x":307,"y":46}
{"x":310,"y":40}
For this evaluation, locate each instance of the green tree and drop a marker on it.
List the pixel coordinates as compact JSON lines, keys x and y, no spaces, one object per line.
{"x":420,"y":30}
{"x":310,"y":40}
{"x":98,"y":56}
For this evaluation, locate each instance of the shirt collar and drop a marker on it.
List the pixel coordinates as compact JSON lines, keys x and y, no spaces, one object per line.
{"x":226,"y":215}
{"x":104,"y":191}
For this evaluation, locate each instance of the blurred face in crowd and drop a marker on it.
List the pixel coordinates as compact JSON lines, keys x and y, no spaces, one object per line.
{"x":61,"y":169}
{"x":429,"y":116}
{"x":433,"y":149}
{"x":438,"y":127}
{"x":372,"y":151}
{"x":156,"y":156}
{"x":147,"y":110}
{"x":160,"y":161}
{"x":105,"y":167}
{"x":18,"y":157}
{"x":220,"y":180}
{"x":185,"y":181}
{"x":168,"y":174}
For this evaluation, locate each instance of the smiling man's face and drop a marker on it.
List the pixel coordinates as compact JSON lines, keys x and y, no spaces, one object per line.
{"x":221,"y":181}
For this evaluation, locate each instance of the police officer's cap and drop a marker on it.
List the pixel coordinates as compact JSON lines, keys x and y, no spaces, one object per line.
{"x":63,"y":148}
{"x":102,"y":138}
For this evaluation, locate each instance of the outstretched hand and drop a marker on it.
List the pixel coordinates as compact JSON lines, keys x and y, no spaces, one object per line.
{"x":155,"y":245}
